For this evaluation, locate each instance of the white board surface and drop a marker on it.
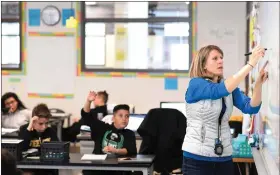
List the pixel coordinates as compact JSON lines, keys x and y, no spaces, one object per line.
{"x":51,"y":65}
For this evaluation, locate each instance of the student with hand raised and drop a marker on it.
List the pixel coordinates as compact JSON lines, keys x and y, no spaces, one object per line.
{"x":111,"y":139}
{"x":99,"y":101}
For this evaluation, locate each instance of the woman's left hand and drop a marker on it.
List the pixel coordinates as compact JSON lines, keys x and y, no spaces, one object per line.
{"x":262,"y":76}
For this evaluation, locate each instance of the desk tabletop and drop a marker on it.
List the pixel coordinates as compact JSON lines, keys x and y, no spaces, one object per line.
{"x":10,"y":135}
{"x":75,"y":160}
{"x":85,"y":136}
{"x":243,"y":160}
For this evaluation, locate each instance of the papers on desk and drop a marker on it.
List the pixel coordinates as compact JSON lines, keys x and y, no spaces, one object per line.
{"x":11,"y":141}
{"x":34,"y":158}
{"x":94,"y":157}
{"x":30,"y":151}
{"x":8,"y":130}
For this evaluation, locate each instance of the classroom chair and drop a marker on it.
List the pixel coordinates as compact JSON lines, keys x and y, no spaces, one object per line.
{"x":235,"y":123}
{"x":163,"y":131}
{"x":56,"y":110}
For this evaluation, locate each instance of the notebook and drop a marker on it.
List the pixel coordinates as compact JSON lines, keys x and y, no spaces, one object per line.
{"x":94,"y":157}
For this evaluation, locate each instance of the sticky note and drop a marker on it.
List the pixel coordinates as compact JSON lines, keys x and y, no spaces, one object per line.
{"x":66,"y":14}
{"x":120,"y":55}
{"x":14,"y":80}
{"x":171,"y":83}
{"x":34,"y":17}
{"x":71,"y":22}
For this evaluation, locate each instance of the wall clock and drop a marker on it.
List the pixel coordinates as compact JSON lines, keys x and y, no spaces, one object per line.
{"x":50,"y":15}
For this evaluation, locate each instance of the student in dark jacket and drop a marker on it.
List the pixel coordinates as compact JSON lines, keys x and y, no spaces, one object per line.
{"x":99,"y":100}
{"x":37,"y":131}
{"x":113,"y":139}
{"x":100,"y":107}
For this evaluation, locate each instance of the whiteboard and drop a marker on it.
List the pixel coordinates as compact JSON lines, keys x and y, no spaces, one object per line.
{"x":267,"y":120}
{"x":51,"y":65}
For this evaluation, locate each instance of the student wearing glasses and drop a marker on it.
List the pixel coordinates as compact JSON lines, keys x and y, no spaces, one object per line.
{"x":14,"y":113}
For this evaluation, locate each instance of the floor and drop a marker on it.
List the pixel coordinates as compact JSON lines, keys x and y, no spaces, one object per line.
{"x":70,"y":172}
{"x":74,"y":148}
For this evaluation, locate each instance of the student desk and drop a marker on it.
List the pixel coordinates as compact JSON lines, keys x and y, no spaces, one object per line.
{"x":84,"y":136}
{"x":247,"y":161}
{"x":140,"y":164}
{"x":12,"y":135}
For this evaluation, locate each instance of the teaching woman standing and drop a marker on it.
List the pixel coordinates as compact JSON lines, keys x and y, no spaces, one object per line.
{"x":209,"y":102}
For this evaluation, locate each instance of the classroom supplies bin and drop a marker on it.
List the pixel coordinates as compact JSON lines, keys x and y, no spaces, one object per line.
{"x":14,"y":148}
{"x":241,"y":147}
{"x":55,"y":151}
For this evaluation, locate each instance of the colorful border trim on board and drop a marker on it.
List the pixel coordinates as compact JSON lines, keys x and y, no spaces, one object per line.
{"x":56,"y":34}
{"x":23,"y":54}
{"x":43,"y":95}
{"x":132,"y":74}
{"x":194,"y":29}
{"x":78,"y":38}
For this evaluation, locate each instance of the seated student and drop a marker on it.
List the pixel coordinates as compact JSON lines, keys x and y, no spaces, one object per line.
{"x":14,"y":113}
{"x":8,"y":163}
{"x":100,"y":103}
{"x":112,"y":139}
{"x":37,"y":131}
{"x":100,"y":107}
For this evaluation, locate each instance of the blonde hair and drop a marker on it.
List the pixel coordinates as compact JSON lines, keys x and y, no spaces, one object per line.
{"x":198,"y":63}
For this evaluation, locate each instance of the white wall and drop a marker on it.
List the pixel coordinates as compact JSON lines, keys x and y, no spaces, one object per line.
{"x":224,"y":24}
{"x":144,"y":93}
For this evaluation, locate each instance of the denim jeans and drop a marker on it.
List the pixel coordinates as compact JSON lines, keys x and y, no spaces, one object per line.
{"x":198,"y":167}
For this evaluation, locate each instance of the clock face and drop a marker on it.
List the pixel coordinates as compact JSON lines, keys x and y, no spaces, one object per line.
{"x":50,"y":15}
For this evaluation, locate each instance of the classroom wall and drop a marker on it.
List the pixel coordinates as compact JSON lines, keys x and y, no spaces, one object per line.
{"x":222,"y":23}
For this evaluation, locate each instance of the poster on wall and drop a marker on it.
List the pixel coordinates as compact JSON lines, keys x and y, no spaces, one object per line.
{"x":255,"y":39}
{"x":120,"y":42}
